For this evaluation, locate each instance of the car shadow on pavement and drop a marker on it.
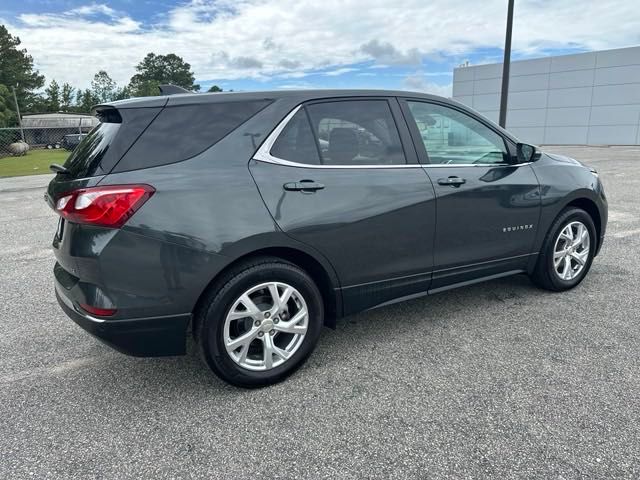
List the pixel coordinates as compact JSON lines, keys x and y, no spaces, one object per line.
{"x":357,"y":337}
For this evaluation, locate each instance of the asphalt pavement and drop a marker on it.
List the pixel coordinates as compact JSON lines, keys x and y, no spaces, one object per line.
{"x":495,"y":380}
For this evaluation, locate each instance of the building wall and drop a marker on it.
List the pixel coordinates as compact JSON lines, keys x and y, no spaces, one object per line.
{"x":588,"y":98}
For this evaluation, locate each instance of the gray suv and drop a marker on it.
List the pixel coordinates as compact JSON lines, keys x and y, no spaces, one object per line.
{"x":253,"y":219}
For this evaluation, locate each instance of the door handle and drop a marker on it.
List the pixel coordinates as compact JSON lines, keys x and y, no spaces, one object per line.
{"x":303,"y":186}
{"x":452,"y":181}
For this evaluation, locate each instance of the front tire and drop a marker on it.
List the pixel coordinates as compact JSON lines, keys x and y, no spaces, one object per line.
{"x":567,"y":251}
{"x":259,"y":323}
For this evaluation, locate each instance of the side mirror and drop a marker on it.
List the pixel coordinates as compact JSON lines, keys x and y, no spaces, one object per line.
{"x":527,"y":153}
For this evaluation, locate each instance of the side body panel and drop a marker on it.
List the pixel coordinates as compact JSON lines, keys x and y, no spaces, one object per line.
{"x":487,"y":213}
{"x":487,"y":225}
{"x":562,"y":181}
{"x":375,"y":225}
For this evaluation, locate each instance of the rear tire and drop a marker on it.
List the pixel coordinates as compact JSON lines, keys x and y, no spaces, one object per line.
{"x":567,"y":251}
{"x":240,"y":325}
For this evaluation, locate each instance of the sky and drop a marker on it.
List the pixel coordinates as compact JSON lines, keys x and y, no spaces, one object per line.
{"x":291,"y":44}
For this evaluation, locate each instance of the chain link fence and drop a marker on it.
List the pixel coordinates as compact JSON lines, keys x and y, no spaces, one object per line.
{"x":44,"y":134}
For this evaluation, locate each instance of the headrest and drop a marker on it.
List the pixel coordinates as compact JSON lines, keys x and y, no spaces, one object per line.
{"x":343,"y":145}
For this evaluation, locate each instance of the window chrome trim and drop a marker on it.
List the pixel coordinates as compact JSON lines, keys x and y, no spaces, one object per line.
{"x":264,"y":155}
{"x":442,"y":165}
{"x":264,"y":152}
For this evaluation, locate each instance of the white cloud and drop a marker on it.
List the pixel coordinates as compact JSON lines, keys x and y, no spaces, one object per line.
{"x":266,"y":38}
{"x":418,"y":82}
{"x":339,"y":71}
{"x":94,"y":9}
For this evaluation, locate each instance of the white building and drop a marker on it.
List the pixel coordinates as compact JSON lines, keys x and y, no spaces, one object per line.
{"x":584,"y":99}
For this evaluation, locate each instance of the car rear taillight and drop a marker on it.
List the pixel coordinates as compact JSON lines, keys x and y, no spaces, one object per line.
{"x":99,"y":312}
{"x":108,"y":206}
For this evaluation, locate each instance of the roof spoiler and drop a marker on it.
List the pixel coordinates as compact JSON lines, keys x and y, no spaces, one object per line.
{"x":169,"y":89}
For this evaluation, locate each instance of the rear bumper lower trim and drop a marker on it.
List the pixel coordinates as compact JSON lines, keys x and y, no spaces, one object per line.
{"x":139,"y":337}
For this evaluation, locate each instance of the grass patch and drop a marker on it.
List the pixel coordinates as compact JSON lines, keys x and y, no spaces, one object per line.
{"x":35,"y":162}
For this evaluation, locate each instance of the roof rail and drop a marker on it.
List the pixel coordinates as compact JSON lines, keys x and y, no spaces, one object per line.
{"x":169,"y":89}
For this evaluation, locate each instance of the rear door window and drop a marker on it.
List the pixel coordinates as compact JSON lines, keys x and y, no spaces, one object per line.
{"x":352,"y":132}
{"x":358,"y":132}
{"x":296,"y":142}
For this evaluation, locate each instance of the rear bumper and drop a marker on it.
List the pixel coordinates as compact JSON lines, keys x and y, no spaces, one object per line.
{"x":139,"y":337}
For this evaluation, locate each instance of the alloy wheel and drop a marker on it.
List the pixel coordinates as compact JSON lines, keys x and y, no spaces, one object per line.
{"x":571,"y":251}
{"x":265,"y":326}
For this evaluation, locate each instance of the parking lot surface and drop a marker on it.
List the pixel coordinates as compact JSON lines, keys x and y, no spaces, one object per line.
{"x":499,"y":379}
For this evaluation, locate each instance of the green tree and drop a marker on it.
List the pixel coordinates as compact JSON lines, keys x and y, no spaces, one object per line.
{"x":155,"y":70}
{"x":214,"y":88}
{"x":144,"y":88}
{"x":52,"y":97}
{"x":103,"y":87}
{"x":85,"y":100}
{"x":122,"y":93}
{"x":16,"y":69}
{"x":66,"y":97}
{"x":7,"y":110}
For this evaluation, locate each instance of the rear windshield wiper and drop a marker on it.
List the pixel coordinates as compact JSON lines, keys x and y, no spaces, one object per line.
{"x":54,"y":167}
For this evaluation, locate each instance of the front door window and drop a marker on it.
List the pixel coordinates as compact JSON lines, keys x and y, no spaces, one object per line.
{"x":453,"y":137}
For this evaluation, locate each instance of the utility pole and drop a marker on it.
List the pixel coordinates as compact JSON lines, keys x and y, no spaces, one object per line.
{"x":506,"y":64}
{"x":15,"y":99}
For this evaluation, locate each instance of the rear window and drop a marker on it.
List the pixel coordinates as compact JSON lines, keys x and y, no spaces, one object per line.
{"x":184,"y":131}
{"x":86,"y":158}
{"x":103,"y":147}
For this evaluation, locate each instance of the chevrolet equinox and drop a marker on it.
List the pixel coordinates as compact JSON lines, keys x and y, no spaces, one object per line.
{"x":253,"y":219}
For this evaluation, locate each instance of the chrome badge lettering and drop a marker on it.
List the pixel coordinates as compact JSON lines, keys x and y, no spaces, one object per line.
{"x":516,"y":228}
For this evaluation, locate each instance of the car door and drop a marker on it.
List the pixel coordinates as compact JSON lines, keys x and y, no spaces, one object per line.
{"x":487,"y":205}
{"x":336,"y":176}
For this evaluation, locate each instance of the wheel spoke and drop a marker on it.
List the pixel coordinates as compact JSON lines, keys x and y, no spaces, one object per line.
{"x":567,"y":234}
{"x":292,"y":325}
{"x":288,"y":328}
{"x":267,"y":343}
{"x":252,"y":308}
{"x":281,"y":353}
{"x":275,"y":295}
{"x":566,"y":270}
{"x":286,"y":295}
{"x":558,"y":262}
{"x":242,"y":340}
{"x":238,"y":315}
{"x":584,"y":238}
{"x":580,"y":257}
{"x":243,"y":353}
{"x":557,"y":258}
{"x":279,"y":301}
{"x":580,"y":230}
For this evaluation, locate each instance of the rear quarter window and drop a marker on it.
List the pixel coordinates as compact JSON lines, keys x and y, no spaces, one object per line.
{"x":86,"y":158}
{"x":183,"y":131}
{"x":104,"y":146}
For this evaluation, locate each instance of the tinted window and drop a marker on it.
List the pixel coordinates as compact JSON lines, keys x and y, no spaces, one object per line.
{"x":296,"y":142}
{"x":359,"y":132}
{"x":183,"y":131}
{"x":453,"y":137}
{"x":86,"y":157}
